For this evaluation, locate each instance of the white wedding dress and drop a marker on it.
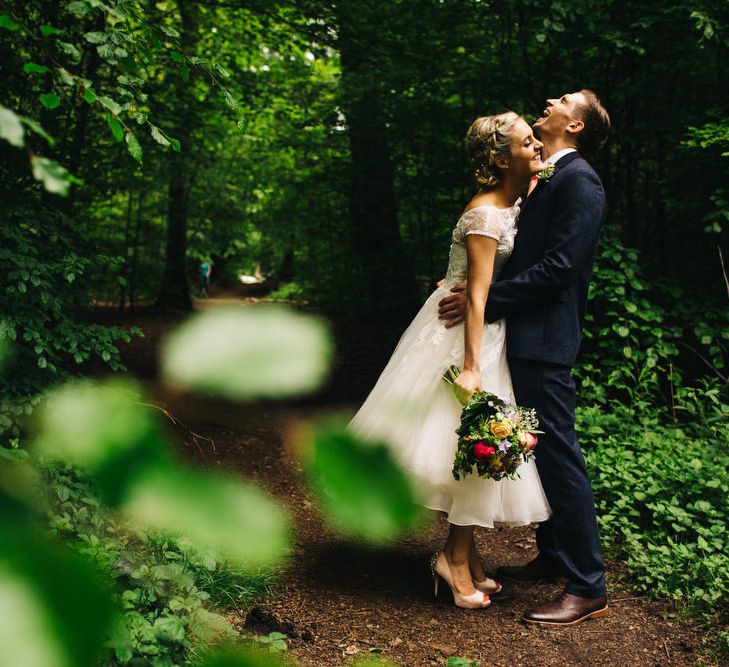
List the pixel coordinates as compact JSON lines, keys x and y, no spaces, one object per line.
{"x":416,"y":413}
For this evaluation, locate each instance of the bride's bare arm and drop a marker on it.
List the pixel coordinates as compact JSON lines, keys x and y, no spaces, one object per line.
{"x":481,"y":254}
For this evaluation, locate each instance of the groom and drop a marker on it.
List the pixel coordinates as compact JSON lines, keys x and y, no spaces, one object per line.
{"x":542,"y":293}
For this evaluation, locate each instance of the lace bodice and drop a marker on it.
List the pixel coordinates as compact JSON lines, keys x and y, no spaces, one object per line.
{"x":496,"y":223}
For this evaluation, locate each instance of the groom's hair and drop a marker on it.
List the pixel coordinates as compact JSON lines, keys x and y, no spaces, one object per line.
{"x":597,"y":124}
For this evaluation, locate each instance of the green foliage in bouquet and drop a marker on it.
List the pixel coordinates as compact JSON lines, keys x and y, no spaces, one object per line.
{"x":494,"y":436}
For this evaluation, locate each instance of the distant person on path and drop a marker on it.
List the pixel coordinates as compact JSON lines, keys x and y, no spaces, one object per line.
{"x":542,"y":296}
{"x":205,"y":271}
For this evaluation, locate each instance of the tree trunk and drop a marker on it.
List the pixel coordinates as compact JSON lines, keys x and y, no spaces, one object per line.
{"x":389,"y":288}
{"x":175,"y":288}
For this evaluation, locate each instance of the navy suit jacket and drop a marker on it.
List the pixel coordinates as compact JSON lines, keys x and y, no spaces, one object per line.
{"x":542,"y":290}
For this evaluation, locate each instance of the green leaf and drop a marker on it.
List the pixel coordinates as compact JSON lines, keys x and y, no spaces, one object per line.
{"x":175,"y":143}
{"x":135,"y":148}
{"x":13,"y":455}
{"x":96,"y":37}
{"x":103,"y":428}
{"x":109,"y":104}
{"x":177,"y":56}
{"x":54,"y":610}
{"x":363,"y":492}
{"x":169,"y":628}
{"x":55,"y":178}
{"x":230,"y":100}
{"x":230,"y":517}
{"x":222,"y":71}
{"x":66,"y":76}
{"x":116,"y":127}
{"x":32,"y":68}
{"x":50,"y":100}
{"x":158,"y":136}
{"x":89,"y":96}
{"x":258,"y":351}
{"x":79,"y":8}
{"x":7,"y":22}
{"x":70,"y":50}
{"x":11,"y":128}
{"x":48,"y":30}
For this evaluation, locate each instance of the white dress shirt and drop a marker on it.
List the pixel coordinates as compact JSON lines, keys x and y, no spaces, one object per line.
{"x":552,"y":159}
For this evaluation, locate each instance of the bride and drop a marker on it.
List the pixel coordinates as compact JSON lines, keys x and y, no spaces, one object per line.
{"x":413,"y":410}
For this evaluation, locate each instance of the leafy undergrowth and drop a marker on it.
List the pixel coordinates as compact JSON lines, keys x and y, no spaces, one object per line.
{"x":662,"y":498}
{"x":170,"y":593}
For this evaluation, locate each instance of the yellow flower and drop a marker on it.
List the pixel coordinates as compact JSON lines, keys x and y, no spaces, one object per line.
{"x":501,"y":429}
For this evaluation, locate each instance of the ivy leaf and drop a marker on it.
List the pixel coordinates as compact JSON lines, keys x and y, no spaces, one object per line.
{"x":158,"y":136}
{"x":177,"y":56}
{"x":109,"y":104}
{"x":32,"y":68}
{"x":66,"y":76}
{"x":89,"y":95}
{"x":50,"y":100}
{"x":48,"y":30}
{"x":8,"y":23}
{"x":55,"y":178}
{"x":135,"y":148}
{"x":116,"y":127}
{"x":11,"y":128}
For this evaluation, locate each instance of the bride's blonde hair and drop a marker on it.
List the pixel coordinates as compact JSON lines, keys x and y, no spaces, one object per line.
{"x":489,"y":138}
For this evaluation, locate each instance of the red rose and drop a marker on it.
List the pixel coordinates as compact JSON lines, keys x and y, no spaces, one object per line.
{"x":531,"y":441}
{"x":481,"y":452}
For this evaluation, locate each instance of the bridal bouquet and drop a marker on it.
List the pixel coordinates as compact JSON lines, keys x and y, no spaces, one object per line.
{"x":494,"y":436}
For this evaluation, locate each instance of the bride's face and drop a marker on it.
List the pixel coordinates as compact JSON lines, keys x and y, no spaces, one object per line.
{"x":526,"y":156}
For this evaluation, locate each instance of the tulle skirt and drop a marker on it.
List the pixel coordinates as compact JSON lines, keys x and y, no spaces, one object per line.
{"x":416,"y":413}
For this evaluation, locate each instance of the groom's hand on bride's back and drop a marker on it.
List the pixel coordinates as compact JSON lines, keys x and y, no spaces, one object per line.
{"x":452,"y":308}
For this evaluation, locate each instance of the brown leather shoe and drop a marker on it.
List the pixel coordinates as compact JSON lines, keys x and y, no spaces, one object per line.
{"x":534,"y":570}
{"x":568,"y":609}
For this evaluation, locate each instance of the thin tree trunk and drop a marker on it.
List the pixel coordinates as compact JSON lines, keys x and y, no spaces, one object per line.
{"x":389,"y":286}
{"x":135,"y":253}
{"x":175,"y":288}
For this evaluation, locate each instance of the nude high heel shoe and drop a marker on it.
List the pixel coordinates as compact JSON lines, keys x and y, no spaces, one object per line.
{"x":488,"y":586}
{"x":441,"y":570}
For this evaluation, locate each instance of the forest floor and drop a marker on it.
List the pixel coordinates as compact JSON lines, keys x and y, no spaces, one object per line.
{"x":338,"y":601}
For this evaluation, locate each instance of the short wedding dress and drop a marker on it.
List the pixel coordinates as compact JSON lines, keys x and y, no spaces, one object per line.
{"x":416,"y":413}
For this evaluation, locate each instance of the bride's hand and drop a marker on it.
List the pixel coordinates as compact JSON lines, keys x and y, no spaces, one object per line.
{"x":466,"y":384}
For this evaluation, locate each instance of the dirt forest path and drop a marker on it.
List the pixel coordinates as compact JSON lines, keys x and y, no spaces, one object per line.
{"x":338,"y":601}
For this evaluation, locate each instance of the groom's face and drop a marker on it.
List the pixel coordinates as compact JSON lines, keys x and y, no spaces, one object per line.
{"x":559,"y":114}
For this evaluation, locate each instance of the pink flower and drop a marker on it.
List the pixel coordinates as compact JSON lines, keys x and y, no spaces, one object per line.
{"x":531,"y":441}
{"x":481,"y":452}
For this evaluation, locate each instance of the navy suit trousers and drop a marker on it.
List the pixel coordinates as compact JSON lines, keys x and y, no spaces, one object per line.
{"x":569,"y":541}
